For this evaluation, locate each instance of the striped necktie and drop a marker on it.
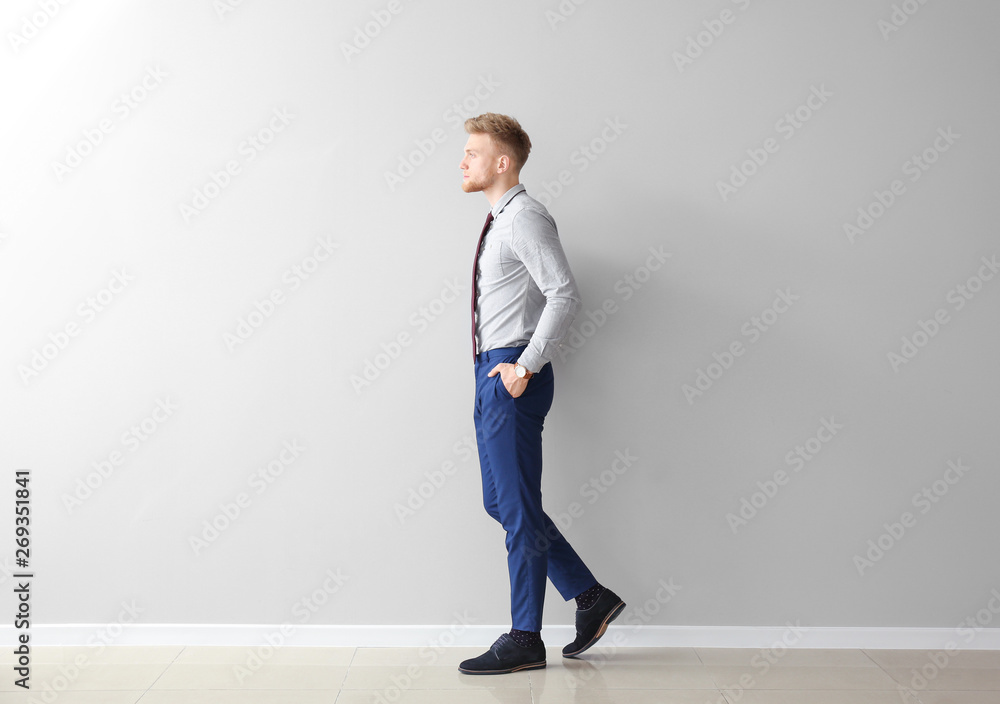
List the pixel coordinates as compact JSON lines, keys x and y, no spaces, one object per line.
{"x":475,"y":293}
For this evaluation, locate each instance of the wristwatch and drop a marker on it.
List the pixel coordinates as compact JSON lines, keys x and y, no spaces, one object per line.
{"x":522,"y":371}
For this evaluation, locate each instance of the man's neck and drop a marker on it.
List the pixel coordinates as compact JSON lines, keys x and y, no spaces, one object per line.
{"x":495,"y":192}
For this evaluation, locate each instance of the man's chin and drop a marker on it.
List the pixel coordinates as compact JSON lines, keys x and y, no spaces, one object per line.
{"x":470,"y":186}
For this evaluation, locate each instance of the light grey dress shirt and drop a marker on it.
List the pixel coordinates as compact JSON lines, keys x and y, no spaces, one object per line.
{"x":527,"y":295}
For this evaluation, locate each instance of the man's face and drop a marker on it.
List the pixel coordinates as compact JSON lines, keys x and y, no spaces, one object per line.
{"x":479,"y":165}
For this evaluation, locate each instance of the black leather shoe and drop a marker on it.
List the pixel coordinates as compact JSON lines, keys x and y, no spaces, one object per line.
{"x":505,"y":656}
{"x":593,"y":622}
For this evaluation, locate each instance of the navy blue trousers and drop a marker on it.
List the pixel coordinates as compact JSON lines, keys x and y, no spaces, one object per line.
{"x":509,"y":436}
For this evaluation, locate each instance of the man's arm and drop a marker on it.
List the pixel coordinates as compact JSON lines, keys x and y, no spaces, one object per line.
{"x":536,"y":242}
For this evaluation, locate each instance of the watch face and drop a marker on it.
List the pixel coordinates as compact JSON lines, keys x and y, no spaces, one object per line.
{"x":519,"y":370}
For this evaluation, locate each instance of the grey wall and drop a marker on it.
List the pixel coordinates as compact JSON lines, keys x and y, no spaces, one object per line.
{"x":156,"y":338}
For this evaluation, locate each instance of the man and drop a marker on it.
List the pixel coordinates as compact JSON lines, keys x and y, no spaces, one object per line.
{"x":524,"y":300}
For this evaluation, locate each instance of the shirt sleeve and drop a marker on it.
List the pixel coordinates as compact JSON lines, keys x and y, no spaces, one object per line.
{"x":535,"y":241}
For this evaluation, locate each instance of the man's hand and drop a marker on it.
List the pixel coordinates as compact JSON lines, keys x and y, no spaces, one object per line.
{"x":515,"y":385}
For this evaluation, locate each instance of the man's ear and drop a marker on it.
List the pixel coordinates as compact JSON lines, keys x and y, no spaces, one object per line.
{"x":503,"y":164}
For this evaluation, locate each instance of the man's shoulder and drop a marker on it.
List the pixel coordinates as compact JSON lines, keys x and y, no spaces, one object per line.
{"x":526,"y":211}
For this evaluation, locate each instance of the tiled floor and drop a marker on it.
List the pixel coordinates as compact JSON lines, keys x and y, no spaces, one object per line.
{"x":226,"y":675}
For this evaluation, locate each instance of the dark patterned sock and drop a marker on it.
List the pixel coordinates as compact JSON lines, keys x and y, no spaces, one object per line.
{"x":587,"y":598}
{"x":526,"y":639}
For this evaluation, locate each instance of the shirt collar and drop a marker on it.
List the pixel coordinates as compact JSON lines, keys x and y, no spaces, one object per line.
{"x":506,"y":198}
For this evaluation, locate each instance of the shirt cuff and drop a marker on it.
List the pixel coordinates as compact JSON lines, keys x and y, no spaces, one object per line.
{"x":531,"y":361}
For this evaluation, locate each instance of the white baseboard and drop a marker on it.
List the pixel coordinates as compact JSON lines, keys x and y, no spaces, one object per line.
{"x":482,"y":636}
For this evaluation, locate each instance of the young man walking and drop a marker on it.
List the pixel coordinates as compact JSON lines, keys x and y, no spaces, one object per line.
{"x":524,"y":299}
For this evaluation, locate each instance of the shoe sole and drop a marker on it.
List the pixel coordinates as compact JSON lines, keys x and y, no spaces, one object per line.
{"x":615,"y":612}
{"x":519,"y":668}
